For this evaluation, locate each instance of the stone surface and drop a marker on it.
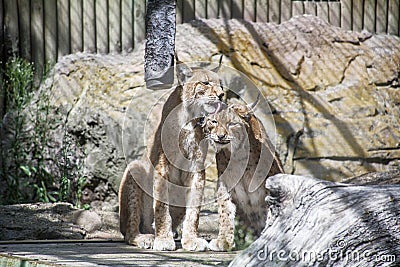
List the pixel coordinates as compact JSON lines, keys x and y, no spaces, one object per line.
{"x":56,"y":221}
{"x":50,"y":221}
{"x":334,"y":97}
{"x":84,"y":254}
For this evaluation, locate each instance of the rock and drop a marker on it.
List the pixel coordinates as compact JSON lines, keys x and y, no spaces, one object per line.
{"x":334,"y":96}
{"x":44,"y":221}
{"x":88,"y":220}
{"x":56,"y":221}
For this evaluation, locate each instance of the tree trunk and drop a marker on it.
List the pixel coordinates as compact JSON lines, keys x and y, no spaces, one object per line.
{"x":160,"y":43}
{"x":320,"y":223}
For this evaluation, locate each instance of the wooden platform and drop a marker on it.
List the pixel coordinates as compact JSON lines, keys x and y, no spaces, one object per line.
{"x":101,"y":253}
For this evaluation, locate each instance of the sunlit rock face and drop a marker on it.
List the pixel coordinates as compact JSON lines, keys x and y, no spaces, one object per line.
{"x":334,"y":96}
{"x":334,"y":93}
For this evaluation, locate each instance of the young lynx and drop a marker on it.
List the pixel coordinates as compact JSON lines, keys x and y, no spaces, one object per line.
{"x":245,"y":159}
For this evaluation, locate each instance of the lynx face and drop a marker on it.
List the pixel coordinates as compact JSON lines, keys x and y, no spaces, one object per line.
{"x":225,"y":128}
{"x":202,"y":91}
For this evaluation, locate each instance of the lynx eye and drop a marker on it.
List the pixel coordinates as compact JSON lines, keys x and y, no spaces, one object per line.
{"x":205,"y":83}
{"x":213,"y":122}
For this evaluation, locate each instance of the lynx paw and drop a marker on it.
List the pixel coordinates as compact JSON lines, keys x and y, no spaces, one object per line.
{"x":195,"y":244}
{"x":144,"y":241}
{"x":220,"y":245}
{"x":162,"y":244}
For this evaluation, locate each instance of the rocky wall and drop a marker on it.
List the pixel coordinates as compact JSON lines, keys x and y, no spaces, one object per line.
{"x":334,"y":95}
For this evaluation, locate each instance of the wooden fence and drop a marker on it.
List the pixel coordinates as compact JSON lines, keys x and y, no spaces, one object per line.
{"x":44,"y":30}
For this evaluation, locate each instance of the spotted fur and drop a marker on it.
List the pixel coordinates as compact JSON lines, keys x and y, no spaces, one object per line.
{"x":177,"y":156}
{"x":244,"y":155}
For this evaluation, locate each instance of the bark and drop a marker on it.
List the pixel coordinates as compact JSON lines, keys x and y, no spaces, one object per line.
{"x":320,"y":223}
{"x":160,"y":43}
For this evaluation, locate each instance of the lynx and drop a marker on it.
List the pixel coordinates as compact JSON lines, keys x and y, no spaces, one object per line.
{"x":175,"y":171}
{"x":244,"y":155}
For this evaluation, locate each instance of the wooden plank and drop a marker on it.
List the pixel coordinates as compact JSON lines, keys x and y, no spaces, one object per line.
{"x":1,"y":46}
{"x":89,"y":26}
{"x":274,"y":11}
{"x":2,"y":57}
{"x":11,"y":26}
{"x":369,"y":15}
{"x":76,"y":19}
{"x":297,"y":8}
{"x":346,"y":16}
{"x":24,"y":12}
{"x":323,"y":11}
{"x":139,"y":8}
{"x":286,"y":10}
{"x":249,"y":12}
{"x":188,"y":10}
{"x":262,"y":11}
{"x":381,"y":16}
{"x":37,"y":30}
{"x":212,"y":9}
{"x":393,"y":21}
{"x":50,"y":31}
{"x":200,"y":8}
{"x":357,"y":15}
{"x":334,"y":13}
{"x":63,"y":29}
{"x":114,"y":26}
{"x":310,"y":8}
{"x":179,"y":11}
{"x":236,"y":9}
{"x":224,"y":9}
{"x":102,"y":36}
{"x":1,"y":37}
{"x":127,"y":25}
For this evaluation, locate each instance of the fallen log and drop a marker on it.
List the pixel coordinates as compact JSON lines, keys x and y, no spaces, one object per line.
{"x":314,"y":222}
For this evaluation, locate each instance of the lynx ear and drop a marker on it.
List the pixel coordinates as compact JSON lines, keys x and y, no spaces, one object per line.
{"x":252,"y":106}
{"x":183,"y":71}
{"x":241,"y":110}
{"x":246,"y":111}
{"x":219,"y":65}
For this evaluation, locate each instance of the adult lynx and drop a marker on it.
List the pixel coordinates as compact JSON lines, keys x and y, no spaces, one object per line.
{"x":175,"y":168}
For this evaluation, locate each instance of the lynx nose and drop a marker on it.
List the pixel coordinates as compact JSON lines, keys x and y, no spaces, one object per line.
{"x":221,"y":136}
{"x":221,"y":95}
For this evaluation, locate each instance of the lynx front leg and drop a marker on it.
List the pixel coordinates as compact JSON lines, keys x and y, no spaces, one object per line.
{"x":164,"y":239}
{"x":226,"y":211}
{"x":190,"y":239}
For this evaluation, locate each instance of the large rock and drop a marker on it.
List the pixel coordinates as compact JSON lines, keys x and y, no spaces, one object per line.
{"x":56,"y":221}
{"x":334,"y":93}
{"x":334,"y":96}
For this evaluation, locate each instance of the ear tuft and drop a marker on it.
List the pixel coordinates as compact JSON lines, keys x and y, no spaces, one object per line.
{"x":219,"y":64}
{"x":252,"y":106}
{"x":183,"y":71}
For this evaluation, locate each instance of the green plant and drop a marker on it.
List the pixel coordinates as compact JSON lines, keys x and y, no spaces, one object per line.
{"x":81,"y":183}
{"x":24,"y":157}
{"x":17,"y":84}
{"x":243,"y":236}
